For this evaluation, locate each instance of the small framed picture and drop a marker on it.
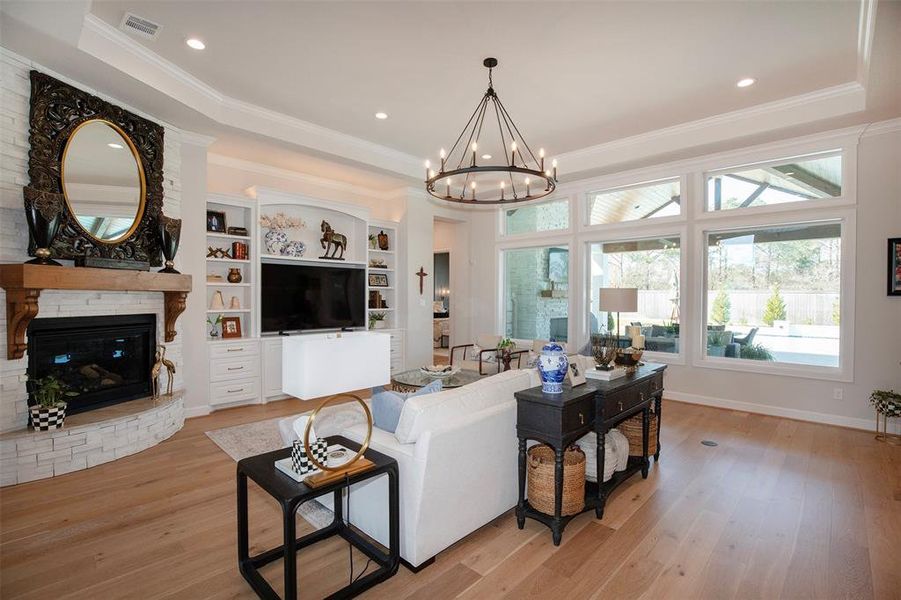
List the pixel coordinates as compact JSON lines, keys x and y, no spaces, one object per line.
{"x":215,"y":221}
{"x":894,"y":267}
{"x":576,"y":373}
{"x":231,"y":327}
{"x":378,"y":280}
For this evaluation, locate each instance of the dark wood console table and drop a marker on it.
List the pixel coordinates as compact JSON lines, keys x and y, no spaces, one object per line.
{"x":558,"y":420}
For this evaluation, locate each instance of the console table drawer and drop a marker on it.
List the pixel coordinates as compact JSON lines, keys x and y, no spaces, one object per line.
{"x":655,"y":384}
{"x":222,"y":370}
{"x":620,"y":402}
{"x":577,"y":415}
{"x":234,"y":350}
{"x":227,"y":392}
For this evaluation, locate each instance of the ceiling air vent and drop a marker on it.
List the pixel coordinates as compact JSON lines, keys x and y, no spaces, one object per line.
{"x":132,"y":23}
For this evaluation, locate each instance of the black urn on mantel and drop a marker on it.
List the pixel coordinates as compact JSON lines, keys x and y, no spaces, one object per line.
{"x":170,"y":235}
{"x":43,"y":211}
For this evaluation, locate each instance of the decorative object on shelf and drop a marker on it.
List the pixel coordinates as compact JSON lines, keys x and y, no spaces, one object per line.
{"x":214,"y":325}
{"x":618,"y":300}
{"x":422,"y":275}
{"x":333,"y":241}
{"x":576,"y":373}
{"x":294,"y":248}
{"x":373,"y":242}
{"x":43,"y":212}
{"x":376,"y":300}
{"x":378,"y":280}
{"x":460,"y":177}
{"x":277,"y":238}
{"x":216,"y":252}
{"x":603,"y":348}
{"x":541,"y":471}
{"x":552,"y":366}
{"x":71,"y":133}
{"x":505,"y":349}
{"x":894,"y":267}
{"x":239,"y":250}
{"x":170,"y":368}
{"x":300,"y":462}
{"x":49,"y":408}
{"x":234,"y":303}
{"x":155,"y":371}
{"x":215,"y":278}
{"x":215,"y":221}
{"x":377,"y":320}
{"x":236,"y":231}
{"x":170,"y":234}
{"x":377,"y":263}
{"x":888,"y":404}
{"x":630,"y":358}
{"x":383,"y":240}
{"x":234,"y":275}
{"x":217,"y":303}
{"x":275,"y":241}
{"x":231,"y":327}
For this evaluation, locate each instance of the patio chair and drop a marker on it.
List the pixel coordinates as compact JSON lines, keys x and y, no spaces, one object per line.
{"x":746,"y":339}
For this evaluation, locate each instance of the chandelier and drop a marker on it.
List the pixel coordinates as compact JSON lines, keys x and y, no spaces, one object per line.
{"x":517,"y":176}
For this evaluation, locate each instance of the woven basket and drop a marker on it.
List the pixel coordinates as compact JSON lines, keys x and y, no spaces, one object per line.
{"x":631,"y":428}
{"x":541,"y":480}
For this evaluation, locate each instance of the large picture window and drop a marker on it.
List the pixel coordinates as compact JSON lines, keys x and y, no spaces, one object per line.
{"x":652,"y":266}
{"x":536,"y":293}
{"x":773,"y":294}
{"x":548,"y":216}
{"x":635,"y":203}
{"x":797,"y":180}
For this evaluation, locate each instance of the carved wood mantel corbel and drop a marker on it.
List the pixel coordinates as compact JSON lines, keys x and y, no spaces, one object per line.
{"x":21,"y":308}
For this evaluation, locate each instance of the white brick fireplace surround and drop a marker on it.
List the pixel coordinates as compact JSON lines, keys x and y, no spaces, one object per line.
{"x":26,"y":455}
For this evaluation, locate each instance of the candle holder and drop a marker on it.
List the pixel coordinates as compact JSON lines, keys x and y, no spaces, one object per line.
{"x":170,"y":235}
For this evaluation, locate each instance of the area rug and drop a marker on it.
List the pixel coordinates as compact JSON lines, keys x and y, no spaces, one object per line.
{"x":251,"y":439}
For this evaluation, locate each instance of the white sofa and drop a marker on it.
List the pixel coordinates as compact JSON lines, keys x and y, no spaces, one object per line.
{"x":457,"y":456}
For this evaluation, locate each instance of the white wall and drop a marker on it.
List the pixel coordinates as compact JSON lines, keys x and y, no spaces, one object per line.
{"x":14,"y":121}
{"x":877,"y":317}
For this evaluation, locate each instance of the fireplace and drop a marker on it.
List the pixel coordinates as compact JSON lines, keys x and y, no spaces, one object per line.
{"x":105,"y":359}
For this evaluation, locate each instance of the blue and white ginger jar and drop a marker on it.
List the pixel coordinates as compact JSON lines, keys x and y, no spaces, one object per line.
{"x":275,"y":241}
{"x":552,"y":366}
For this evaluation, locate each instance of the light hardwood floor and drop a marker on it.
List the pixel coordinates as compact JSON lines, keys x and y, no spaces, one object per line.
{"x":779,"y":508}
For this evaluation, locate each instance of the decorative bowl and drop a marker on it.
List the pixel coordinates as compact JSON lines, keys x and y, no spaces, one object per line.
{"x":439,"y":371}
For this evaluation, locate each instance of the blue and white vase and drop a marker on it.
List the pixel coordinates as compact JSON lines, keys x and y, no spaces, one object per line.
{"x":294,"y":248}
{"x":552,"y":366}
{"x":275,"y":241}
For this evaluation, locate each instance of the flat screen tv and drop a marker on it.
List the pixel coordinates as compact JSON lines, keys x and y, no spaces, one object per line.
{"x":297,"y":297}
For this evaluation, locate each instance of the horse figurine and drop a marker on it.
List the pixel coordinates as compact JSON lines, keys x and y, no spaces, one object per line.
{"x":170,"y":370}
{"x":332,"y":241}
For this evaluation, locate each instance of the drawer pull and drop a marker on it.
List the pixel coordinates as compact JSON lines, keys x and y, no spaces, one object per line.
{"x":235,"y":368}
{"x":581,"y":419}
{"x":236,"y":391}
{"x":235,"y":350}
{"x":641,"y":395}
{"x":620,"y":405}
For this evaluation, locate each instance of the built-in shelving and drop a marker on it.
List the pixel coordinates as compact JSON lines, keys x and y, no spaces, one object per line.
{"x":390,"y":293}
{"x":239,"y":212}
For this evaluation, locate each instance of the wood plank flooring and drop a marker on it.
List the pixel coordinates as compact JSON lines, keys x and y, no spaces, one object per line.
{"x":779,"y":508}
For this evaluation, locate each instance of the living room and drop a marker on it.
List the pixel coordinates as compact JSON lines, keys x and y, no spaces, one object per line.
{"x":476,"y":299}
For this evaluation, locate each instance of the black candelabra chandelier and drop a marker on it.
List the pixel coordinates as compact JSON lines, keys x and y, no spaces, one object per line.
{"x":519,"y":177}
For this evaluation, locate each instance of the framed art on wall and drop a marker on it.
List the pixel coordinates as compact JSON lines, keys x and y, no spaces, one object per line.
{"x":231,"y":327}
{"x":894,"y":267}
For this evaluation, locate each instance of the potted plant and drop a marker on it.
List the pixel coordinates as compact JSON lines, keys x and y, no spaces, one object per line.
{"x":214,"y":325}
{"x":377,"y":320}
{"x":716,"y":343}
{"x":49,"y":408}
{"x":505,"y":349}
{"x":887,"y":403}
{"x":373,"y":242}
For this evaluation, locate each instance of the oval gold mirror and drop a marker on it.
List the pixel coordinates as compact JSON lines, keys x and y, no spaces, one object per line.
{"x":103,"y":181}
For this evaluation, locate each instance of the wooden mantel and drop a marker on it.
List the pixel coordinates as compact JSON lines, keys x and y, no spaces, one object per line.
{"x":23,"y":285}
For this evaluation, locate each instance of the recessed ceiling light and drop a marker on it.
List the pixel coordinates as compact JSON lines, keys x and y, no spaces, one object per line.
{"x":195,"y":43}
{"x":381,"y":115}
{"x":746,"y":82}
{"x":486,"y":157}
{"x":115,"y":145}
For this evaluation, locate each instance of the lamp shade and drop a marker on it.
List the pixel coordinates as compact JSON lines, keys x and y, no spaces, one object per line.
{"x":318,"y":365}
{"x":618,"y":299}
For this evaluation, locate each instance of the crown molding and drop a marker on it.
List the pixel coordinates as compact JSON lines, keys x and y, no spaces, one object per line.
{"x":108,"y":44}
{"x":195,"y":139}
{"x":882,"y":127}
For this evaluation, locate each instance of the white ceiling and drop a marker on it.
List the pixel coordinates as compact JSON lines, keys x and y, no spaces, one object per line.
{"x":572,"y":74}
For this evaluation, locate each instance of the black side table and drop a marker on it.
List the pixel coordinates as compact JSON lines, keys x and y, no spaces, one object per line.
{"x":291,"y":494}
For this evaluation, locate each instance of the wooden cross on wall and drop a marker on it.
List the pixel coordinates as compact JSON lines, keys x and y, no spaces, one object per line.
{"x":422,"y":275}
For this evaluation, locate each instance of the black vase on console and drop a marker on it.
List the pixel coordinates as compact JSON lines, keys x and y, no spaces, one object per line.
{"x":170,"y":235}
{"x":43,"y":211}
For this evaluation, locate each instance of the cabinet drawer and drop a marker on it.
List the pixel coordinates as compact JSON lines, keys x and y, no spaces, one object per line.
{"x":655,"y":384}
{"x":234,"y":350}
{"x":227,"y":392}
{"x":222,"y":370}
{"x":577,"y":415}
{"x":621,"y":401}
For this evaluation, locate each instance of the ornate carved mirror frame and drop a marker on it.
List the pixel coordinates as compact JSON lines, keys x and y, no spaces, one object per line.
{"x":57,"y":111}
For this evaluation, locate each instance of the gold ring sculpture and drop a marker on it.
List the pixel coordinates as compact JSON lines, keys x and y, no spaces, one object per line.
{"x":363,"y":447}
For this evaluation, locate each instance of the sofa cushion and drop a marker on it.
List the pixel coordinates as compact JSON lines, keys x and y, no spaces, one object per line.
{"x":424,"y":413}
{"x":387,"y":404}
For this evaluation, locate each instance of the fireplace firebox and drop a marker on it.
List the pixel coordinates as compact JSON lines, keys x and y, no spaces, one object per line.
{"x":103,"y":359}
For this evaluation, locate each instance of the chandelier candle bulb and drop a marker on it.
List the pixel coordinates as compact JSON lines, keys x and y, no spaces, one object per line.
{"x":528,"y":181}
{"x":428,"y":165}
{"x":502,"y":190}
{"x":447,"y":191}
{"x":513,"y":154}
{"x":554,"y":165}
{"x":473,"y":184}
{"x":443,"y":157}
{"x":541,"y":156}
{"x":475,"y":147}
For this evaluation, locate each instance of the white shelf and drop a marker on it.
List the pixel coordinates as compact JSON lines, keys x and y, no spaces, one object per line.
{"x":314,"y":261}
{"x":381,"y":287}
{"x":216,"y":234}
{"x":227,"y":284}
{"x":379,"y":270}
{"x":371,"y":251}
{"x":228,"y":260}
{"x":228,"y":310}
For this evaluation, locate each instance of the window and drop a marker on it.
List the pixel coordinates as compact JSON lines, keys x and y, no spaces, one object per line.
{"x":635,"y":203}
{"x":652,"y":266}
{"x":773,"y":294}
{"x":548,"y":216}
{"x":536,"y":283}
{"x":799,"y":180}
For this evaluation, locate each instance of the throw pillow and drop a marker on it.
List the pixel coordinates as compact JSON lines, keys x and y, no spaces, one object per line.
{"x":387,"y":404}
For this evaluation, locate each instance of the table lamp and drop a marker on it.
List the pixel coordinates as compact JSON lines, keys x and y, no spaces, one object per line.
{"x":618,"y":300}
{"x":332,"y":365}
